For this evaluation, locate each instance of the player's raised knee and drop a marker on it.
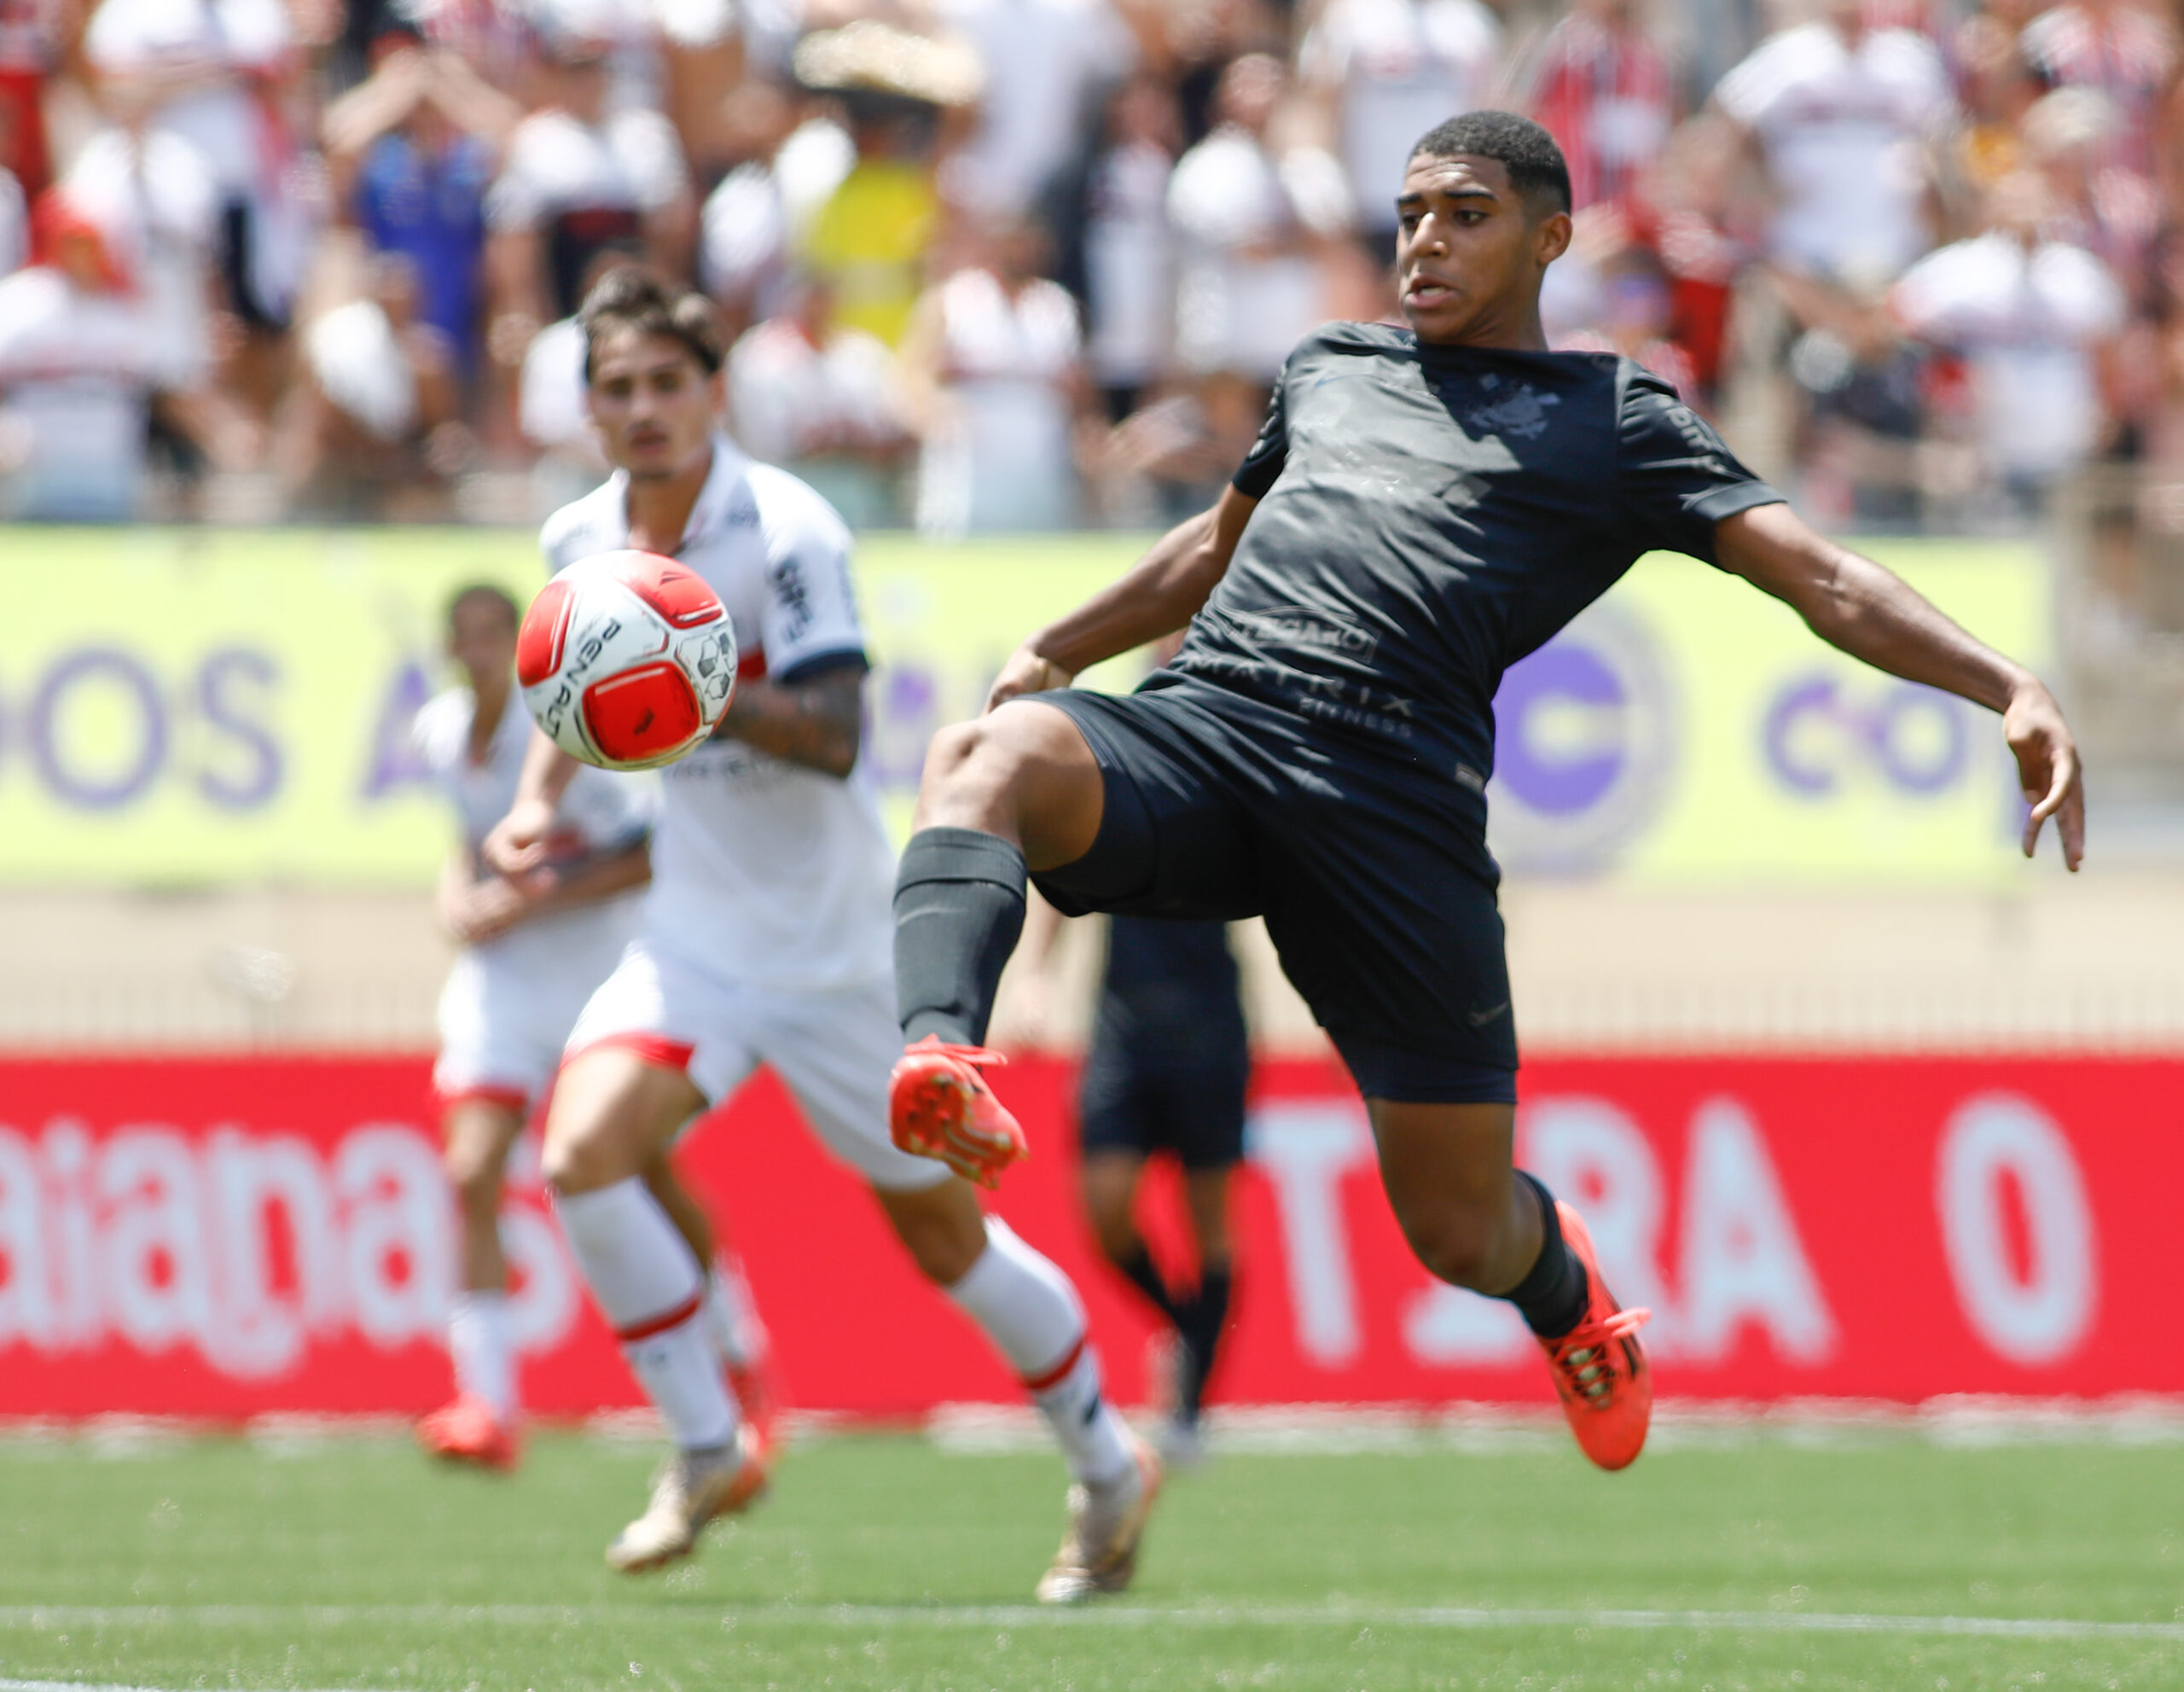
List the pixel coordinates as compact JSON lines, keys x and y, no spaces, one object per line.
{"x":974,"y":773}
{"x":1022,"y":772}
{"x":954,"y":750}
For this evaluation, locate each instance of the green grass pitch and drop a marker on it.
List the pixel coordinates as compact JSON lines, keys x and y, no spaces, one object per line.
{"x":1884,"y":1561}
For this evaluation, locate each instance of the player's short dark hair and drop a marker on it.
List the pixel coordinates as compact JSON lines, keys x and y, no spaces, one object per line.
{"x":1535,"y":163}
{"x":485,"y":593}
{"x":630,"y":297}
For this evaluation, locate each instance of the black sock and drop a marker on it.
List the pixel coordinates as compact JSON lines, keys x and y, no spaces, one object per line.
{"x":959,"y":909}
{"x":1139,"y":1268}
{"x":1551,"y":1298}
{"x":1200,"y":1323}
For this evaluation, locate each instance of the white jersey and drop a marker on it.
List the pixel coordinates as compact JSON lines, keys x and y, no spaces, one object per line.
{"x":556,"y":165}
{"x":214,"y":47}
{"x":154,"y":196}
{"x":997,"y":461}
{"x":1128,"y":265}
{"x":2029,"y":323}
{"x":600,"y":813}
{"x":77,"y":371}
{"x":1401,"y":66}
{"x":1843,"y":128}
{"x":1238,"y":309}
{"x":774,"y":874}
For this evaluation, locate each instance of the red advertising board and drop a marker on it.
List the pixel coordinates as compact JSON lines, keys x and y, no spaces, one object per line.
{"x":225,"y":1237}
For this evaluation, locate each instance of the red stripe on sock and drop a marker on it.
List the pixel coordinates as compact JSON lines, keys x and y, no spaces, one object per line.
{"x":660,"y":1324}
{"x":1060,"y":1372}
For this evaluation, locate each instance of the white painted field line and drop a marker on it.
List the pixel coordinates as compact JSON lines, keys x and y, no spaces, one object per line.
{"x":71,"y":1686}
{"x":1437,"y":1617}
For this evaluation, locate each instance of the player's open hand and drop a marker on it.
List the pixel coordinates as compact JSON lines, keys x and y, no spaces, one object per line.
{"x":1026,"y":672}
{"x":2048,"y":769}
{"x":518,"y":843}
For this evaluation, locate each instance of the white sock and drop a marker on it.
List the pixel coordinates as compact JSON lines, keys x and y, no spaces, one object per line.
{"x":731,"y":1314}
{"x":1035,"y":1319}
{"x":481,"y":1345}
{"x":647,"y":1285}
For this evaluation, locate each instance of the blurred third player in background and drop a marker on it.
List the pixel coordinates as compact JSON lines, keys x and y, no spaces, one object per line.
{"x":534,"y":946}
{"x":1168,"y":1072}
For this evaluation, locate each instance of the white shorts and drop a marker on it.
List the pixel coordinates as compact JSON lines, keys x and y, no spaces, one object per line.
{"x":834,"y":1048}
{"x":505,"y":1016}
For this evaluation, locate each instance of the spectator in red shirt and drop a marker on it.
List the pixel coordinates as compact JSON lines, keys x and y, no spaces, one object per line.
{"x":1604,"y":91}
{"x":1686,"y":211}
{"x":2123,"y":50}
{"x":29,"y":48}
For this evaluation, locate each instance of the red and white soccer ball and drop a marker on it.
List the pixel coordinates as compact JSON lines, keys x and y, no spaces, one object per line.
{"x":626,"y":659}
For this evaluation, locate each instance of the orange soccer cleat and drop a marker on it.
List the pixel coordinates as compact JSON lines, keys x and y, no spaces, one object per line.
{"x":467,"y":1431}
{"x":1600,"y":1371}
{"x":751,"y":1382}
{"x":938,"y":1105}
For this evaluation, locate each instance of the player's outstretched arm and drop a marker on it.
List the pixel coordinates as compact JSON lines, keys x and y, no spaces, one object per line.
{"x":517,"y":844}
{"x":1871,"y":612}
{"x":1160,"y":594}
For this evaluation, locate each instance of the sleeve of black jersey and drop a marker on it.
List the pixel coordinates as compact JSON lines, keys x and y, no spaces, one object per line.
{"x":1676,"y":478}
{"x":1262,"y":465}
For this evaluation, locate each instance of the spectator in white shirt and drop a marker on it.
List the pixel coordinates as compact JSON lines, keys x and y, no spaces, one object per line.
{"x":783,"y":171}
{"x":157,"y":203}
{"x":993,"y":373}
{"x":208,"y":71}
{"x":1251,"y":223}
{"x":821,"y":401}
{"x":372,"y":432}
{"x":2116,"y":215}
{"x":1128,"y":251}
{"x":2034,"y":318}
{"x":1387,"y":71}
{"x":1843,"y":119}
{"x":1048,"y":64}
{"x":579,"y":177}
{"x":551,"y":408}
{"x":76,"y":375}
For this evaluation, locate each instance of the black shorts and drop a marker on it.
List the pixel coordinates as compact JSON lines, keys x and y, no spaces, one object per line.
{"x":1144,"y":1099}
{"x":1379,"y":898}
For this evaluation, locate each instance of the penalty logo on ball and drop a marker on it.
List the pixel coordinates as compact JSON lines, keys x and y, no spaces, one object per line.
{"x":627,"y":660}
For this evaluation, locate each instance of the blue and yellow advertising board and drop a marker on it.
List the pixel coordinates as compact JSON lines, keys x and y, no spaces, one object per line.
{"x":186,"y":707}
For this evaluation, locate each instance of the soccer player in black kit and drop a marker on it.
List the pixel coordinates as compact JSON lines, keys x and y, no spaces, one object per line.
{"x":1169,"y":1070}
{"x":1424,"y":507}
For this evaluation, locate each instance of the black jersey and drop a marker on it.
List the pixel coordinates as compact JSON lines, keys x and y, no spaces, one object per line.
{"x":1428,"y":515}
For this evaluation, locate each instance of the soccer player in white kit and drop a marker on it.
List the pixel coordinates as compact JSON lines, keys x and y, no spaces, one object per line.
{"x":767,"y":937}
{"x":534,"y":948}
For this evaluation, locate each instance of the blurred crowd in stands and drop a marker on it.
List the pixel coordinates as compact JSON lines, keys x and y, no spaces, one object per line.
{"x":1004,"y":265}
